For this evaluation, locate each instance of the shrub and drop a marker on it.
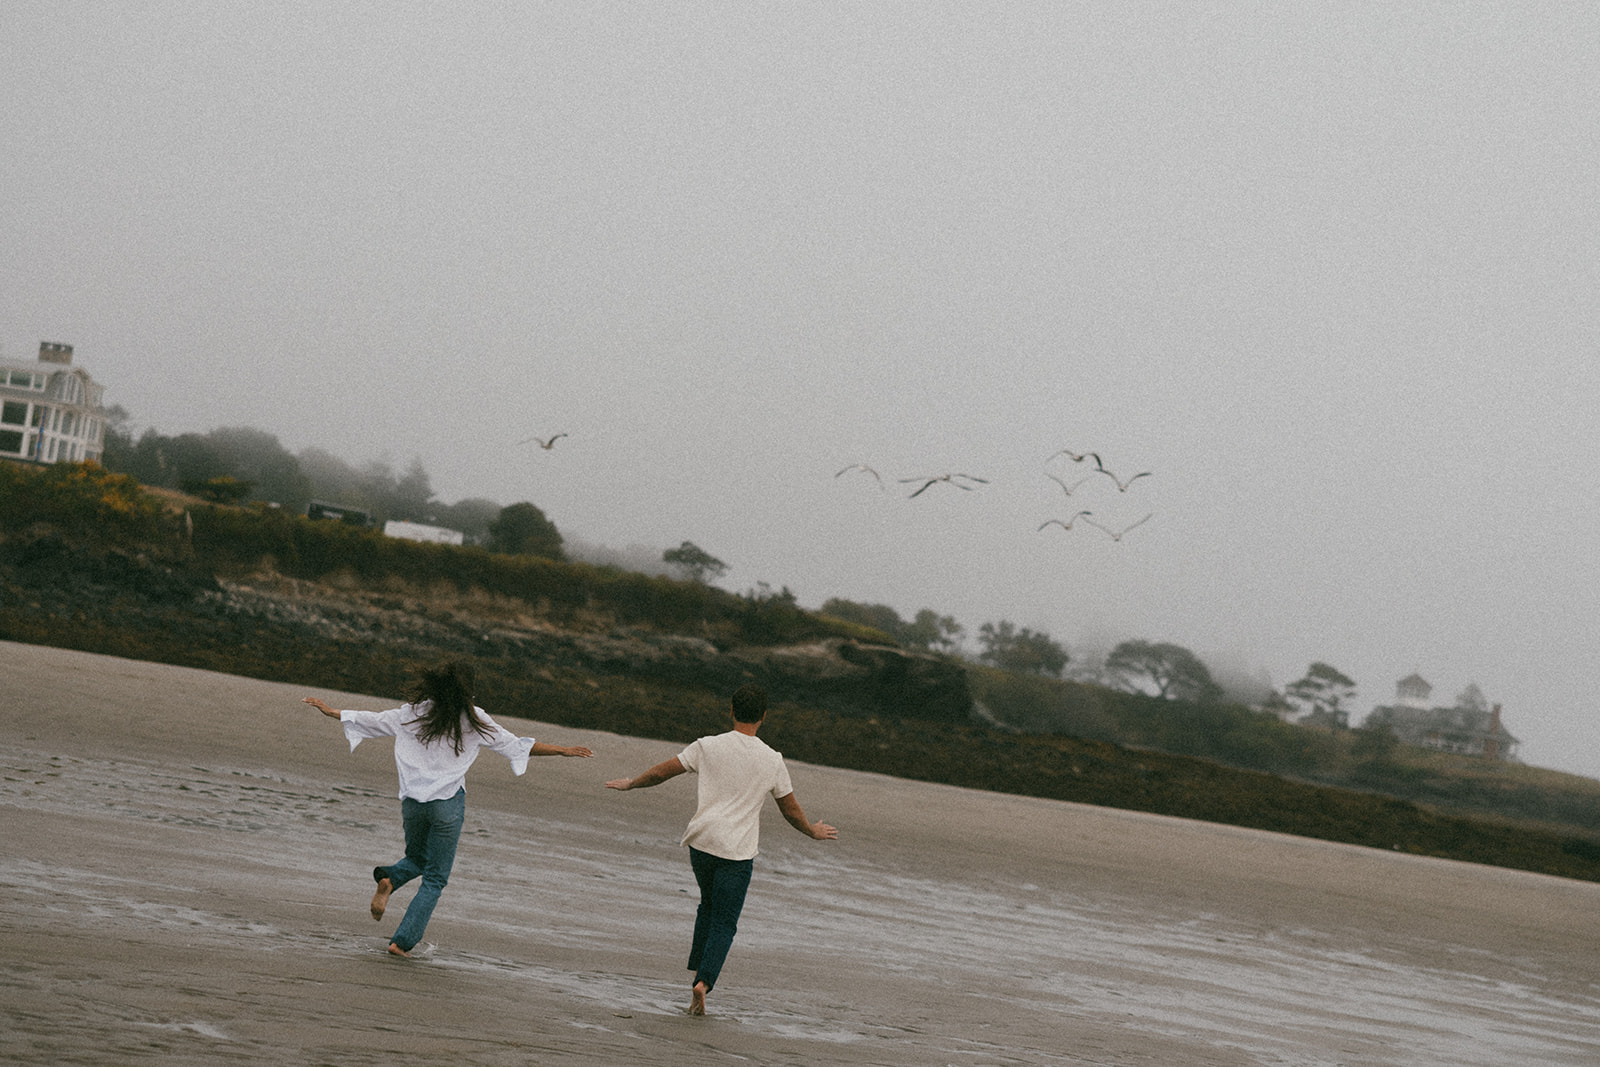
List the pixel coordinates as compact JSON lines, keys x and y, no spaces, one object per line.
{"x":81,"y":499}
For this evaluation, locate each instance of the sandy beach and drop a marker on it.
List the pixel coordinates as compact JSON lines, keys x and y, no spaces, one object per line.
{"x":186,"y":879}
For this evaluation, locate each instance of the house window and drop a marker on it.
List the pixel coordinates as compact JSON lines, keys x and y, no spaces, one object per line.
{"x":14,"y":413}
{"x":11,"y":441}
{"x":24,"y":380}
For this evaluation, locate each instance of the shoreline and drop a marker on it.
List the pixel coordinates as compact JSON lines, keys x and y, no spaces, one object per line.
{"x":947,"y":925}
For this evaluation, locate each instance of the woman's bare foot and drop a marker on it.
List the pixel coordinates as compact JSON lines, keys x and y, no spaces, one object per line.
{"x":396,"y":950}
{"x":697,"y":999}
{"x":380,"y":899}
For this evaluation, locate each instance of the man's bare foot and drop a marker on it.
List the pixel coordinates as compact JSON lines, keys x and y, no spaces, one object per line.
{"x":697,"y":999}
{"x":396,"y":950}
{"x":380,"y":899}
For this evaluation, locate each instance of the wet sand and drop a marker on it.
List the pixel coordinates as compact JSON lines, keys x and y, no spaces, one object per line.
{"x":186,"y":879}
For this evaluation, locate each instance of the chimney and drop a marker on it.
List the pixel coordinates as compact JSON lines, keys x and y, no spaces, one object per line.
{"x":50,"y":352}
{"x":1491,"y":743}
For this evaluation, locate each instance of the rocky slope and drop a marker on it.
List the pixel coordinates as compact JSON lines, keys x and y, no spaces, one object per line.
{"x":114,"y":589}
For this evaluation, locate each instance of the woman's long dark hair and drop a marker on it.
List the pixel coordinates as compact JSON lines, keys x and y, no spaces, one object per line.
{"x":443,"y":695}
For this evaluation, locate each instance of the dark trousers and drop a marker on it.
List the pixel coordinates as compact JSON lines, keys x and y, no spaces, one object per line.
{"x":723,"y":884}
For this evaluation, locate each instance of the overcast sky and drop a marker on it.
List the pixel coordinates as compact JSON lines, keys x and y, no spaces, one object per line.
{"x":1329,"y":272}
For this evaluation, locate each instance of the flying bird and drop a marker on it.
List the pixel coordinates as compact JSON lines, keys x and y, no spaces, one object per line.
{"x":1066,"y":524}
{"x":1116,"y":535}
{"x":928,"y":480}
{"x":1065,"y":488}
{"x":1076,"y":457}
{"x":1122,"y":486}
{"x":861,"y":467}
{"x":545,"y":443}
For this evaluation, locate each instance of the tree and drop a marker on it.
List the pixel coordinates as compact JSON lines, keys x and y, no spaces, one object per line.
{"x":1172,"y":670}
{"x":1375,"y":742}
{"x":168,"y":462}
{"x":522,"y":530}
{"x":931,"y":630}
{"x":877,"y":616}
{"x":116,"y":453}
{"x":258,"y":457}
{"x":1472,"y":699}
{"x":694,"y":562}
{"x":472,"y":516}
{"x":223,"y":489}
{"x":1023,"y":651}
{"x":413,"y":495}
{"x":1321,"y":695}
{"x":374,"y":487}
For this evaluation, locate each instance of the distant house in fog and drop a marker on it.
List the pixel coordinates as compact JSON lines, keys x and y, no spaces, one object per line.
{"x":1464,"y":729}
{"x":416,"y":531}
{"x":50,"y":411}
{"x":318,"y":509}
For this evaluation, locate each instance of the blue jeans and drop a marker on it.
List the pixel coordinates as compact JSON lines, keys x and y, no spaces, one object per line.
{"x":432,"y":829}
{"x":723,"y":884}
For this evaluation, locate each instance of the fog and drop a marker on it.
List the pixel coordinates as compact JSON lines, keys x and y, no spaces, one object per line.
{"x":1328,"y":275}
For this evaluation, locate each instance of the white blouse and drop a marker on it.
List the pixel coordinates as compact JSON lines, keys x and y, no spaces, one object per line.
{"x":433,"y":771}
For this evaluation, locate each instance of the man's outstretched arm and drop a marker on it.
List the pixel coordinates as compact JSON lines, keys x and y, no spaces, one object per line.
{"x":792,"y":811}
{"x":654,"y":776}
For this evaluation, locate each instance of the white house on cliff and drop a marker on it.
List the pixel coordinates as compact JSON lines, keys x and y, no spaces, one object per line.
{"x":50,"y":411}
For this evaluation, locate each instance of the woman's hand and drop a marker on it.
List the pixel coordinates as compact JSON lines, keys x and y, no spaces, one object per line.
{"x":320,"y":706}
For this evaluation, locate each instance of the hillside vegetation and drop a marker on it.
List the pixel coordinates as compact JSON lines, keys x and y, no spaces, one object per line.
{"x":1246,"y":738}
{"x":91,"y":560}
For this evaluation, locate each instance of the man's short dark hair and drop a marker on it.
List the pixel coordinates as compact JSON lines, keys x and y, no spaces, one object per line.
{"x":749,"y":703}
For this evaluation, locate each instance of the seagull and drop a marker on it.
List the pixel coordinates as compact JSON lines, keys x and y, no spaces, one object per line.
{"x":928,"y":480}
{"x":1065,"y":524}
{"x":546,"y":444}
{"x":1065,"y":488}
{"x":1116,"y":535}
{"x":1077,"y":457}
{"x":861,"y":467}
{"x":1122,"y":486}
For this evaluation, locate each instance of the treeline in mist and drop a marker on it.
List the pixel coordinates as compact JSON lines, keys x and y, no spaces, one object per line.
{"x":240,"y":464}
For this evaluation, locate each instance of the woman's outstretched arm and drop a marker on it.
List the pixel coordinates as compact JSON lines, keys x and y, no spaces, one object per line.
{"x":320,"y":706}
{"x":541,"y":749}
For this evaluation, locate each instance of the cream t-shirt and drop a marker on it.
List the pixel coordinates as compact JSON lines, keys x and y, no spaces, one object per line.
{"x":737,"y":772}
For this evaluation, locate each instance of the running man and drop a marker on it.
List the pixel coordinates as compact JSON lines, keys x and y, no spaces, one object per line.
{"x":737,"y":771}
